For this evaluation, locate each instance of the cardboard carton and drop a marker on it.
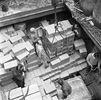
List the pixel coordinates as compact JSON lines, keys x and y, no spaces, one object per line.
{"x":16,"y":38}
{"x":11,"y":64}
{"x":23,"y":56}
{"x":10,"y":29}
{"x":83,"y":51}
{"x":79,"y":44}
{"x":5,"y":58}
{"x":32,"y":89}
{"x":49,"y":87}
{"x":29,"y":46}
{"x":18,"y":47}
{"x":15,"y":93}
{"x":55,"y":63}
{"x":36,"y":96}
{"x":20,"y":33}
{"x":5,"y":44}
{"x":64,"y":58}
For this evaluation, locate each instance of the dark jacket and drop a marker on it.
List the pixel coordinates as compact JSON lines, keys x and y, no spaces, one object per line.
{"x":66,"y":88}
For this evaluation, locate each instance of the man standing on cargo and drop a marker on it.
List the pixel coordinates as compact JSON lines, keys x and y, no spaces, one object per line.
{"x":42,"y":55}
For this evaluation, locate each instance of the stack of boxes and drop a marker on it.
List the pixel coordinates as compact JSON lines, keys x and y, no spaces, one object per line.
{"x":12,"y":48}
{"x":34,"y":91}
{"x":64,"y":58}
{"x":27,"y":93}
{"x":61,"y":41}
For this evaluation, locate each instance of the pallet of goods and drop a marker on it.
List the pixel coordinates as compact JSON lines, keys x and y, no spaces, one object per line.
{"x":60,"y":44}
{"x":64,"y":58}
{"x":11,"y":64}
{"x":60,"y":41}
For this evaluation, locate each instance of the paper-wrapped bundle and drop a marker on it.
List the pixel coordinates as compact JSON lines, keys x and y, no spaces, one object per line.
{"x":97,"y":14}
{"x":87,"y":6}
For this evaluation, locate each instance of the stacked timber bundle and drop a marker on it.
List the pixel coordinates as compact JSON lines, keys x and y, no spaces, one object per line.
{"x":97,"y":14}
{"x":88,"y":6}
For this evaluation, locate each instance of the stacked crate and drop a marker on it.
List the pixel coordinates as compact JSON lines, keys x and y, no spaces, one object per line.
{"x":33,"y":91}
{"x":6,"y":55}
{"x":12,"y":48}
{"x":63,"y":27}
{"x":60,"y":41}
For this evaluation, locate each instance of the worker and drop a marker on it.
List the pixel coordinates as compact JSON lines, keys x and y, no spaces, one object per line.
{"x":19,"y":75}
{"x":65,"y":87}
{"x":25,"y":64}
{"x":34,"y":38}
{"x":42,"y":55}
{"x":40,"y":32}
{"x":94,"y":60}
{"x":36,"y":34}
